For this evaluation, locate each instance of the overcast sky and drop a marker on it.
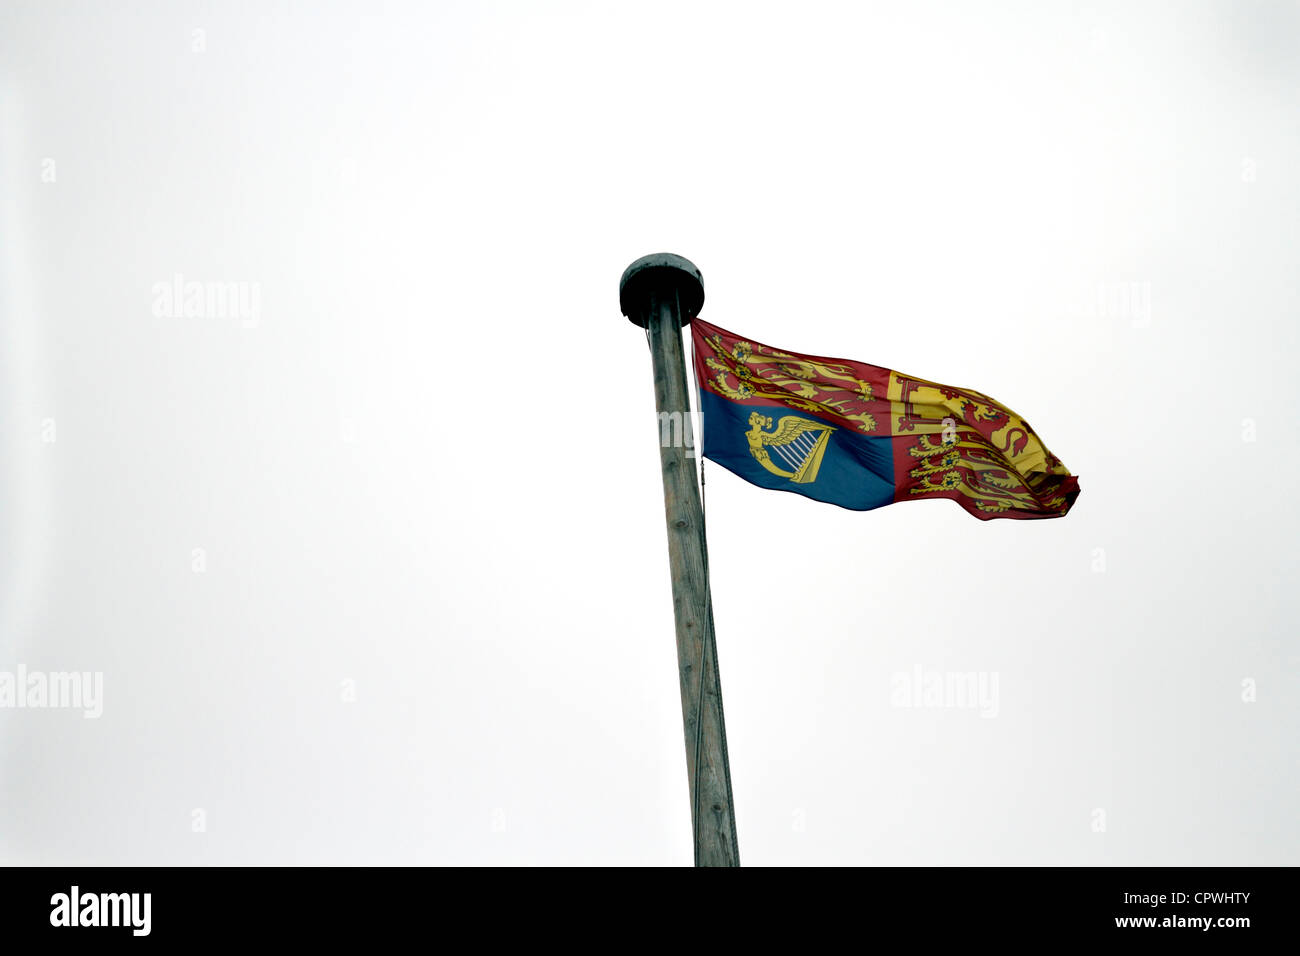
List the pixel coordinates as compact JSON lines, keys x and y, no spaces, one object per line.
{"x":371,"y":557}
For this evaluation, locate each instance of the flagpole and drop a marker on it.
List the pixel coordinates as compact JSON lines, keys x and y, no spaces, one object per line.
{"x":662,"y":293}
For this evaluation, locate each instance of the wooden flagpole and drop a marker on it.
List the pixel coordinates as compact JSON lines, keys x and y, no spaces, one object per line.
{"x":662,"y":293}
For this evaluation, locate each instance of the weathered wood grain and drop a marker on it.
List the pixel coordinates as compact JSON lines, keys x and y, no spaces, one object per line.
{"x":712,"y":813}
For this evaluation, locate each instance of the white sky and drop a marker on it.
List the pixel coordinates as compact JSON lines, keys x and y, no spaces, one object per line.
{"x":429,"y":467}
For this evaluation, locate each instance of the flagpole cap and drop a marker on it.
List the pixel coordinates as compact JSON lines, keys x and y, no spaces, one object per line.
{"x":660,"y":274}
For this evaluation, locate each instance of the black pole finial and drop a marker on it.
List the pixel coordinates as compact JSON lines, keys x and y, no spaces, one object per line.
{"x":659,"y":274}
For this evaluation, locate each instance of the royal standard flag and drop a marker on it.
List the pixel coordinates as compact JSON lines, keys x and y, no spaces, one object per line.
{"x":861,"y":436}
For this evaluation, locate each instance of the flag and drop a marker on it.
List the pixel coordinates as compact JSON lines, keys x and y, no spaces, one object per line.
{"x":862,"y":437}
